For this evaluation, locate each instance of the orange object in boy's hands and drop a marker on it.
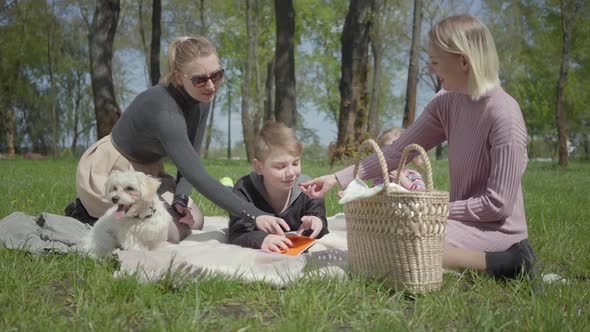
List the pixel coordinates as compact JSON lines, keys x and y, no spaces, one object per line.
{"x":299,"y":245}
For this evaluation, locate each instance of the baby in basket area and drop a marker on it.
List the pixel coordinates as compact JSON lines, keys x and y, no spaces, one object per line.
{"x":409,"y":179}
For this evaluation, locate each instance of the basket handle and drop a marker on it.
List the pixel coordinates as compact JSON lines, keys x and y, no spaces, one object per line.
{"x":427,"y":168}
{"x":371,"y":143}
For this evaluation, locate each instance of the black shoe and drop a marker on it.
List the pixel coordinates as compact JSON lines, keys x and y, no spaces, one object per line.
{"x":77,"y":211}
{"x":518,"y":260}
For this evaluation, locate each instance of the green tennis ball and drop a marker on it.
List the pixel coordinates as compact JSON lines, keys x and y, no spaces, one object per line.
{"x":227,"y":181}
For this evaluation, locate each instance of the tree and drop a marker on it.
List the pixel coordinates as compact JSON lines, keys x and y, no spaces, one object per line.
{"x":284,"y":63}
{"x":377,"y":49}
{"x":411,"y":87}
{"x":269,"y":88}
{"x":318,"y":71}
{"x":51,"y":66}
{"x":23,"y":63}
{"x":249,"y":123}
{"x":353,"y":119}
{"x":101,"y":39}
{"x":568,"y":11}
{"x":155,"y":44}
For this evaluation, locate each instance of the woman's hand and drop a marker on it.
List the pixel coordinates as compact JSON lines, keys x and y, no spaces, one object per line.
{"x":276,"y":243}
{"x":318,"y":187}
{"x":311,"y":222}
{"x":272,"y":225}
{"x":186,"y":217}
{"x":180,"y":205}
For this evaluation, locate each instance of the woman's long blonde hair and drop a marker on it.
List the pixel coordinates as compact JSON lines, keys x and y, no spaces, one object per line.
{"x":183,"y":50}
{"x":468,"y":36}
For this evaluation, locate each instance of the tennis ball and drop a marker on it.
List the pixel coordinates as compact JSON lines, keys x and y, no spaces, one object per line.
{"x":227,"y":181}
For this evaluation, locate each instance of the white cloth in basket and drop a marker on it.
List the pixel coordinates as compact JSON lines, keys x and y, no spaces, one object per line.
{"x":358,"y":189}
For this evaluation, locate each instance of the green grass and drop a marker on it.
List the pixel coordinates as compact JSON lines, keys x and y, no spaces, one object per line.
{"x":59,"y":292}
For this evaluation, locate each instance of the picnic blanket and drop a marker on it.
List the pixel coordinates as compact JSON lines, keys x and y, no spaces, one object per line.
{"x":204,"y":253}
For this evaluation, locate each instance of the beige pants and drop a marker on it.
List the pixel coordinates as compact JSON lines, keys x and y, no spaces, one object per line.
{"x":101,"y":159}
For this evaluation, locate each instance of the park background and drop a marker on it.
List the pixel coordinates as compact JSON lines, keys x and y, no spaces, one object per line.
{"x":49,"y":111}
{"x":48,"y":104}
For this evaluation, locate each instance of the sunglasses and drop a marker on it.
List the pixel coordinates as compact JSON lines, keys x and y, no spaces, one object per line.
{"x":199,"y":81}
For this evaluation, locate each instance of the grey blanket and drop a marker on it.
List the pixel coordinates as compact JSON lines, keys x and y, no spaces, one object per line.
{"x":45,"y":233}
{"x":205,"y":252}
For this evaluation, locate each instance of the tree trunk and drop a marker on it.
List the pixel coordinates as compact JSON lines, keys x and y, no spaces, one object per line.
{"x":209,"y":130}
{"x":75,"y":133}
{"x":352,"y":120}
{"x":155,"y":45}
{"x":268,"y":101}
{"x":411,"y":87}
{"x":248,"y":129}
{"x":202,"y":16}
{"x":259,"y":93}
{"x":8,"y":94}
{"x":52,"y":87}
{"x":229,"y":101}
{"x":212,"y":113}
{"x":8,"y":125}
{"x":285,"y":104}
{"x":567,"y":22}
{"x":101,"y":39}
{"x":144,"y":44}
{"x":377,"y":47}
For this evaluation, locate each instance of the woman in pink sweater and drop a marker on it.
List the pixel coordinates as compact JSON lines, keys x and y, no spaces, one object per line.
{"x":487,"y":142}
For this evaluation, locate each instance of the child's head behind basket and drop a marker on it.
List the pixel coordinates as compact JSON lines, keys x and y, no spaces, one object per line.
{"x":393,"y":134}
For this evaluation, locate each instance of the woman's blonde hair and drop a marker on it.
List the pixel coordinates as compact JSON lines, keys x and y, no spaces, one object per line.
{"x":276,"y":135}
{"x":468,"y":36}
{"x":183,"y":50}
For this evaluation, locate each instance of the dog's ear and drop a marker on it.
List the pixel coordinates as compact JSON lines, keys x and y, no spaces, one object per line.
{"x":149,"y":187}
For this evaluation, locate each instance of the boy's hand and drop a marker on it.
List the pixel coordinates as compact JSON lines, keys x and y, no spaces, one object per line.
{"x":272,"y":225}
{"x":274,"y":243}
{"x":318,"y":187}
{"x":311,"y":222}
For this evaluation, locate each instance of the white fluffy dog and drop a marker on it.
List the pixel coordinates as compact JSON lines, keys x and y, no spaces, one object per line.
{"x":138,"y":220}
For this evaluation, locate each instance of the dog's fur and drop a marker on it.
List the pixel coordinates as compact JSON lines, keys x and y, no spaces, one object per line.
{"x":138,"y":220}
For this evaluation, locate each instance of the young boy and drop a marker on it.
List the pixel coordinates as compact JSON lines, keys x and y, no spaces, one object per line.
{"x":273,"y":188}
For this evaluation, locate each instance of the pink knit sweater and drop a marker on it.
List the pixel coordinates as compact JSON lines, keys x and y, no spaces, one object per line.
{"x":487,"y":152}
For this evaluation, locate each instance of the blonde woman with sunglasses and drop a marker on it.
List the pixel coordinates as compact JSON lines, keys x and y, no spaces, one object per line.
{"x":168,"y":119}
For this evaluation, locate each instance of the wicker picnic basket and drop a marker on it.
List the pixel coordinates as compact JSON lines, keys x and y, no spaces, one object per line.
{"x":398,"y":237}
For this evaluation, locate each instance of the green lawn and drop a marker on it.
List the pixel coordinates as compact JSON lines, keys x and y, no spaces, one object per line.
{"x":59,"y":292}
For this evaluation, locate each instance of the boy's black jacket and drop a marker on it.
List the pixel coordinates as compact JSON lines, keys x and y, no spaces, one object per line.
{"x":243,"y":231}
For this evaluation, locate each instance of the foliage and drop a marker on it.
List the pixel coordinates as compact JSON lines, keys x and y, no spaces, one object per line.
{"x":527,"y":34}
{"x":529,"y":39}
{"x":30,"y":34}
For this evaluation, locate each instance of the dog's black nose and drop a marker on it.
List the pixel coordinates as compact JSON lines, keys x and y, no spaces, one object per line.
{"x":115,"y":199}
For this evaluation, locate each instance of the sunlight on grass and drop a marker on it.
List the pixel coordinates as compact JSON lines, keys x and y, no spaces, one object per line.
{"x":67,"y":292}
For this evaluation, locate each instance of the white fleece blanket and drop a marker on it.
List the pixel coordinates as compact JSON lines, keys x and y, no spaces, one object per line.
{"x":207,"y":252}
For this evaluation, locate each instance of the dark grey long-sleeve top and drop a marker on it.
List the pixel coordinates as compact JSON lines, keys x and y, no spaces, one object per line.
{"x":165,"y":121}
